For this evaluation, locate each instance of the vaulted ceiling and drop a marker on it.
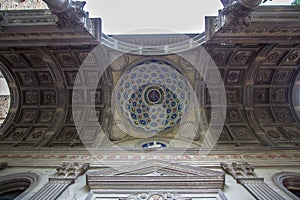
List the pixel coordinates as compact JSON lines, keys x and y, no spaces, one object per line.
{"x":259,"y":66}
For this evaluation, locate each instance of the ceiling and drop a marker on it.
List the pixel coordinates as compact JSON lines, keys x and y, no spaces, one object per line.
{"x":259,"y":67}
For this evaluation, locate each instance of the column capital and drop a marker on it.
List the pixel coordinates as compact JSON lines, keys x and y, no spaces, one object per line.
{"x":69,"y":172}
{"x":241,"y":171}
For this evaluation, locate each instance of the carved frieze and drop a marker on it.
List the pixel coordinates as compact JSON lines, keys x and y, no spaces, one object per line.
{"x":155,"y":196}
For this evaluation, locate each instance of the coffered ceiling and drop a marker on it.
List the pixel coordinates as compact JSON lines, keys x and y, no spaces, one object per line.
{"x":261,"y":78}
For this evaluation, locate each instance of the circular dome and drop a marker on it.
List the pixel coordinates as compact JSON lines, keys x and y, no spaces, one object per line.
{"x":152,"y":97}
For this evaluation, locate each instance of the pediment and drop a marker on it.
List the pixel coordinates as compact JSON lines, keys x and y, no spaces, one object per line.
{"x":157,"y":168}
{"x":156,"y":175}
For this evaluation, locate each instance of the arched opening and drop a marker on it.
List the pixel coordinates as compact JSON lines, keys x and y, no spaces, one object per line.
{"x":289,"y":183}
{"x":17,"y":186}
{"x":4,"y":99}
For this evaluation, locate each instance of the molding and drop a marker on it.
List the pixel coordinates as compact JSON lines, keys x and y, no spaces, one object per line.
{"x":12,"y":182}
{"x":109,"y":157}
{"x":283,"y":180}
{"x":155,"y":177}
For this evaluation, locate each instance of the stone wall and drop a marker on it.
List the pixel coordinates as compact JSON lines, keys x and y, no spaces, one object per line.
{"x":22,"y":4}
{"x":79,"y":189}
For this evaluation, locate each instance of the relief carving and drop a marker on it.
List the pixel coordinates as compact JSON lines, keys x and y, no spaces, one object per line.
{"x":282,"y":114}
{"x":236,"y":14}
{"x":261,"y":95}
{"x":155,"y":196}
{"x":118,"y":61}
{"x":73,"y":17}
{"x":280,"y":96}
{"x":264,"y":76}
{"x":240,"y":171}
{"x":69,"y":171}
{"x":233,"y":76}
{"x":31,"y":97}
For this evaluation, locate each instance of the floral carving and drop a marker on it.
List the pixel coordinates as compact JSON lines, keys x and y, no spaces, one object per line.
{"x":274,"y":134}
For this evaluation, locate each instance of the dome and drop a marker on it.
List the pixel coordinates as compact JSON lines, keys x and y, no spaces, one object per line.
{"x":152,"y":97}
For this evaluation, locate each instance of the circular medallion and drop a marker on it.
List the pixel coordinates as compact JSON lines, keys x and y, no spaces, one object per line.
{"x":156,"y":197}
{"x":152,"y":97}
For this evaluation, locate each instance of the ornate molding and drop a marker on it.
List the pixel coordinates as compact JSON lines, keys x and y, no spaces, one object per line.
{"x":286,"y":181}
{"x":19,"y":181}
{"x":153,"y":177}
{"x":69,"y":172}
{"x":241,"y":171}
{"x":155,"y":196}
{"x":244,"y":174}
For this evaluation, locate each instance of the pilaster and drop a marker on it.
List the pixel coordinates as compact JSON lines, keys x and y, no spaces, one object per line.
{"x":244,"y":174}
{"x":66,"y":175}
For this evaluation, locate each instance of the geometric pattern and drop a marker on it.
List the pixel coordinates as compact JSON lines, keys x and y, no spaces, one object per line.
{"x":152,"y":97}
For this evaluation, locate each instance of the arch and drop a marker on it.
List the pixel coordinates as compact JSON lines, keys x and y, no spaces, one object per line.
{"x":288,"y":182}
{"x":13,"y":88}
{"x":24,"y":182}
